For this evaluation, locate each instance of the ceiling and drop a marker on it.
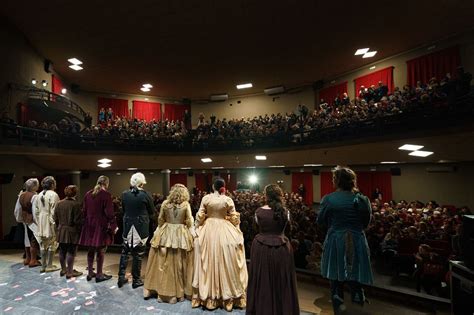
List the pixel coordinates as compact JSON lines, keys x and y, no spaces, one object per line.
{"x":190,"y":48}
{"x":452,"y":147}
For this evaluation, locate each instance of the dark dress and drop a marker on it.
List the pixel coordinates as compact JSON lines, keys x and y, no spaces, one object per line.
{"x":67,"y":217}
{"x":272,"y":278}
{"x":99,"y":220}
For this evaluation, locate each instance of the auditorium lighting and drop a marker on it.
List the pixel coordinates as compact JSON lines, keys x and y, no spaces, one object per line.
{"x":145,"y":89}
{"x":312,"y":165}
{"x":147,"y":85}
{"x":33,"y":81}
{"x":369,"y":54}
{"x":185,"y":168}
{"x":372,"y":68}
{"x":206,"y":160}
{"x":132,"y":169}
{"x":75,"y":61}
{"x":250,"y":167}
{"x":244,"y":86}
{"x":277,"y":166}
{"x":410,"y":147}
{"x":260,"y":157}
{"x":63,"y":91}
{"x":104,"y":165}
{"x":421,"y":153}
{"x":253,"y":179}
{"x":388,"y":162}
{"x":217,"y":167}
{"x":75,"y":67}
{"x":104,"y":161}
{"x":44,"y":83}
{"x":361,"y":51}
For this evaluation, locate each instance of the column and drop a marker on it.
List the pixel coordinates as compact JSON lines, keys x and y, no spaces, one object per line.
{"x":166,"y":181}
{"x":76,"y":180}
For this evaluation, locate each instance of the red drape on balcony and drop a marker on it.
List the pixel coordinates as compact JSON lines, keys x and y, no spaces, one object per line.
{"x":305,"y":178}
{"x":119,"y":106}
{"x":230,"y":180}
{"x":175,"y":111}
{"x":203,"y":182}
{"x":384,"y":75}
{"x":436,"y":64}
{"x":366,"y":182}
{"x":56,"y":84}
{"x":146,"y":110}
{"x":178,"y":179}
{"x":330,"y":93}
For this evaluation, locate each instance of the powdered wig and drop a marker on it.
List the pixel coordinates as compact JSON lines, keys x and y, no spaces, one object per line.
{"x":70,"y":191}
{"x":178,"y":194}
{"x":137,"y":180}
{"x":344,"y":178}
{"x":32,"y":185}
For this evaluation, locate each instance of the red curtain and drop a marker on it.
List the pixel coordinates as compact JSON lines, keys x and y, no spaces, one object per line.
{"x":436,"y":64}
{"x":56,"y":84}
{"x":178,"y":179}
{"x":230,"y":180}
{"x":119,"y":106}
{"x":366,"y":182}
{"x":175,"y":111}
{"x":203,"y":182}
{"x":384,"y":75}
{"x":330,"y":93}
{"x":146,"y":110}
{"x":305,"y":178}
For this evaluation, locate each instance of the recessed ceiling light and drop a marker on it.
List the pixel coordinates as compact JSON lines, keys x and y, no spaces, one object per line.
{"x":152,"y":173}
{"x":147,"y":85}
{"x":104,"y":161}
{"x":75,"y":61}
{"x":185,"y":168}
{"x":446,"y":161}
{"x":312,"y":165}
{"x":44,"y":83}
{"x":361,"y":51}
{"x":250,"y":167}
{"x":132,"y":168}
{"x":104,"y":165}
{"x":146,"y":98}
{"x":372,"y":68}
{"x":33,"y":81}
{"x":369,"y":54}
{"x":421,"y":153}
{"x":277,"y":166}
{"x":217,"y":167}
{"x":260,"y":157}
{"x":76,"y":67}
{"x":388,"y":162}
{"x":206,"y":160}
{"x":244,"y":86}
{"x":118,"y":174}
{"x":410,"y":147}
{"x":145,"y":89}
{"x":63,"y":91}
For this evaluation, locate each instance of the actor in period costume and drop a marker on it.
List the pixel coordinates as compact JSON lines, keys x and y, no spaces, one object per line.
{"x":170,"y":261}
{"x":68,"y":219}
{"x":138,"y":210}
{"x":26,"y":200}
{"x":99,"y":227}
{"x":346,"y":258}
{"x":220,"y":269}
{"x":272,"y":277}
{"x":44,"y":207}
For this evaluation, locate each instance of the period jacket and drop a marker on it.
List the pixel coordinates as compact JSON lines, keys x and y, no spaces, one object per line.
{"x":99,"y":219}
{"x":26,"y":203}
{"x":68,"y":219}
{"x":44,"y":207}
{"x":138,"y":209}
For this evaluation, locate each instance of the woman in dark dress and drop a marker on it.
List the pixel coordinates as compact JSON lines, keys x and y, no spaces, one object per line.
{"x":67,"y":218}
{"x":272,"y":278}
{"x":99,"y":227}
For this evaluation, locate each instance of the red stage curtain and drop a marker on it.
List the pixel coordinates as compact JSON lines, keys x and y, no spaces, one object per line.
{"x":119,"y":106}
{"x":305,"y":178}
{"x":146,"y":110}
{"x":203,"y":182}
{"x":175,"y":111}
{"x":383,"y":181}
{"x":178,"y":179}
{"x":436,"y":64}
{"x":384,"y":75}
{"x":330,"y":93}
{"x":56,"y":84}
{"x":326,"y":183}
{"x":230,"y":180}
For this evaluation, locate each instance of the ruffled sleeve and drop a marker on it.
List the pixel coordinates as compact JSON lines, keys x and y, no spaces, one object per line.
{"x":232,"y":215}
{"x":201,"y":215}
{"x":189,"y":221}
{"x":161,"y":217}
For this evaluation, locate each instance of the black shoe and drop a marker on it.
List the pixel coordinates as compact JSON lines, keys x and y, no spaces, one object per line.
{"x":121,"y":282}
{"x":89,"y":277}
{"x":137,"y":284}
{"x":62,"y":273}
{"x":103,"y":278}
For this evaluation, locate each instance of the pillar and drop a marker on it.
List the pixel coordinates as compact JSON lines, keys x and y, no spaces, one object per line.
{"x":166,"y":181}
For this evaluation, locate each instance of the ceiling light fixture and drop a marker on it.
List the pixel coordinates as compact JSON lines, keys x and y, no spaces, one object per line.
{"x":369,"y":54}
{"x":145,"y":89}
{"x":76,"y":67}
{"x":312,"y":165}
{"x":185,"y":168}
{"x":244,"y":86}
{"x":147,"y":85}
{"x":75,"y":61}
{"x":250,"y":167}
{"x":206,"y":160}
{"x":420,"y":153}
{"x":411,"y":147}
{"x":104,"y":161}
{"x":388,"y":162}
{"x":44,"y":83}
{"x":104,"y":165}
{"x":372,"y":68}
{"x":146,"y":98}
{"x":361,"y":51}
{"x":276,"y":166}
{"x":132,"y":169}
{"x":33,"y":81}
{"x":217,"y":167}
{"x":63,"y":91}
{"x":260,"y":157}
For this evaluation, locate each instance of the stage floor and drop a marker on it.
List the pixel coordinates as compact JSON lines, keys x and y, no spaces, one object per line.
{"x":25,"y":290}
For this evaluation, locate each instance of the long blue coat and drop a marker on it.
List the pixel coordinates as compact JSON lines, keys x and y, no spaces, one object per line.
{"x":346,"y":255}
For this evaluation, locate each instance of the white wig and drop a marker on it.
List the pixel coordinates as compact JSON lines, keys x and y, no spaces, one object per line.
{"x":137,"y":179}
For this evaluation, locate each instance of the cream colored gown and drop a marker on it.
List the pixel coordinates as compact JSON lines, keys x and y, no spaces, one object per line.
{"x":220,"y":269}
{"x":170,"y":261}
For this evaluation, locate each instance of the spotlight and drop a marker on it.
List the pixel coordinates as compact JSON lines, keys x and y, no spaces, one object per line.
{"x":253,"y":179}
{"x":44,"y":83}
{"x":33,"y":81}
{"x":63,"y":91}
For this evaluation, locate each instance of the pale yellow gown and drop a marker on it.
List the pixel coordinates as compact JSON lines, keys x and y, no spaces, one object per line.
{"x":220,"y":270}
{"x":170,"y":262}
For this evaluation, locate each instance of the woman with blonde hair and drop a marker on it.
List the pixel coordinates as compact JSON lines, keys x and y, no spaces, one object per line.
{"x":99,"y":227}
{"x":346,"y":257}
{"x":170,"y":261}
{"x":45,"y":205}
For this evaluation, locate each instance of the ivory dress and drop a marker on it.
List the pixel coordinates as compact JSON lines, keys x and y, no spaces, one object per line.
{"x":220,"y":269}
{"x":169,"y":270}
